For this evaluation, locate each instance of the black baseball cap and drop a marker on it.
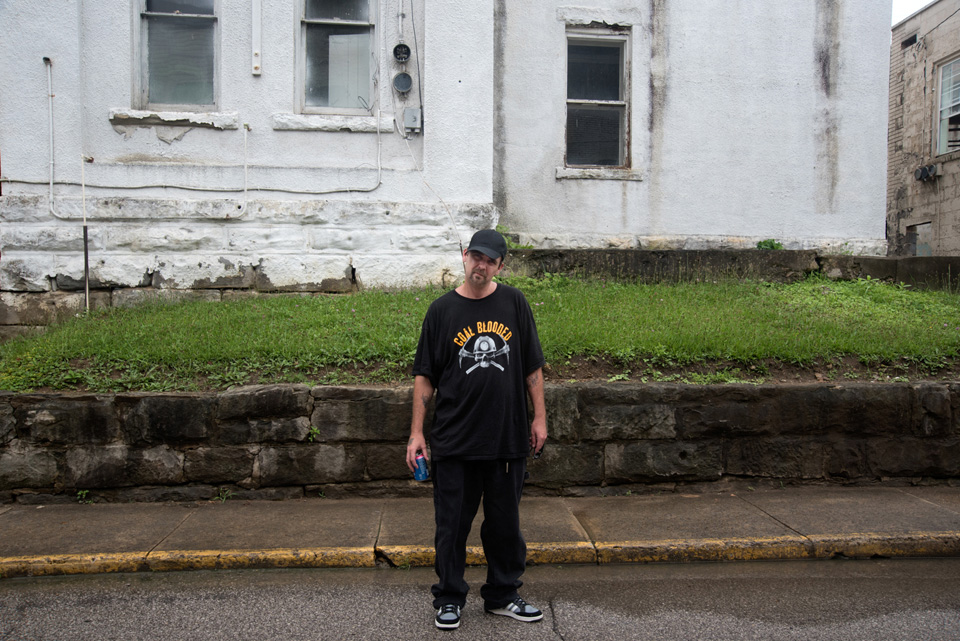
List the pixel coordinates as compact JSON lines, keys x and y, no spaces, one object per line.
{"x":489,"y":242}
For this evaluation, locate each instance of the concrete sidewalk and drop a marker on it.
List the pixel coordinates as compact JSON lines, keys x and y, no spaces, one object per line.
{"x":793,"y":523}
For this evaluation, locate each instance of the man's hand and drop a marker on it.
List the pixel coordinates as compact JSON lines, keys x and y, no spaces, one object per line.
{"x":538,"y":428}
{"x":538,"y":433}
{"x":416,"y":445}
{"x":422,"y":394}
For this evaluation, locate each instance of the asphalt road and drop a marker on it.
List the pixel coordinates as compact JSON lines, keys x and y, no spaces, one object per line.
{"x":804,"y":601}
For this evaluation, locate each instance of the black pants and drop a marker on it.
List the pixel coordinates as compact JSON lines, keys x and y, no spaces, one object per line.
{"x":458,"y":487}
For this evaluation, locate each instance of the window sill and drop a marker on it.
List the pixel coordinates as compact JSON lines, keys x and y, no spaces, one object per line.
{"x":212,"y":120}
{"x":579,"y":173}
{"x":950,"y":156}
{"x":314,"y":122}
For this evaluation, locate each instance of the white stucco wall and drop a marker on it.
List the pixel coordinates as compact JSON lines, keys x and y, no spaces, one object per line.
{"x":166,"y":202}
{"x":748,"y":121}
{"x":736,"y":135}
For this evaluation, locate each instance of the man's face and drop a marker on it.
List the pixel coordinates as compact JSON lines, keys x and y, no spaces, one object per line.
{"x":480,"y":268}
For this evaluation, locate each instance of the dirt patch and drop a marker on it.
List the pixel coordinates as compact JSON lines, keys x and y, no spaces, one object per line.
{"x":767,"y":372}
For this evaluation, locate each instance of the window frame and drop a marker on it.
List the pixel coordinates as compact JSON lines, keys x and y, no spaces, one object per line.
{"x":938,"y":114}
{"x":604,"y":36}
{"x":142,"y":89}
{"x":301,"y":64}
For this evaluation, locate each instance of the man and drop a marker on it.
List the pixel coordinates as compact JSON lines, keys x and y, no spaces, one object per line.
{"x":480,"y":352}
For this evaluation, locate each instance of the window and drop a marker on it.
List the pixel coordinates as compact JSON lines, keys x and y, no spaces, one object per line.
{"x":596,"y":99}
{"x":336,"y":56}
{"x":949,"y":139}
{"x":178,"y":53}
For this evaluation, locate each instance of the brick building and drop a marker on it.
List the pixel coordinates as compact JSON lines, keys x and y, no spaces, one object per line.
{"x":923,"y":176}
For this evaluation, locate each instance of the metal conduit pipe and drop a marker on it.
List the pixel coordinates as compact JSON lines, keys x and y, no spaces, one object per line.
{"x":49,"y":64}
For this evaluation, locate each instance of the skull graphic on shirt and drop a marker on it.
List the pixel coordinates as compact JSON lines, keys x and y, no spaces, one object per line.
{"x":484,"y":353}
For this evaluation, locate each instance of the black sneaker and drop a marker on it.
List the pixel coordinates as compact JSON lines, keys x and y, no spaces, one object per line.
{"x":518,"y":609}
{"x":448,"y":617}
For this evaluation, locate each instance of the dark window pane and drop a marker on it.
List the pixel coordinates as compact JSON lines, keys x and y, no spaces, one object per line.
{"x":180,"y":60}
{"x":338,"y":66}
{"x":593,"y":72}
{"x":356,"y":10}
{"x":594,"y":135}
{"x":203,"y":7}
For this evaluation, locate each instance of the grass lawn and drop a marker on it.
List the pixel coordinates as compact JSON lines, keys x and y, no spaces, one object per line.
{"x":706,"y":332}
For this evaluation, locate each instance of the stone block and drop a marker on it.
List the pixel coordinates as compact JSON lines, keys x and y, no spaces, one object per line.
{"x":96,"y":467}
{"x":26,"y":274}
{"x":53,"y":237}
{"x":160,"y":465}
{"x":842,"y":267}
{"x":743,"y":410}
{"x":955,"y":406}
{"x":276,"y":430}
{"x":776,"y":457}
{"x":168,"y":419}
{"x":845,"y":458}
{"x":67,"y":420}
{"x":24,"y":466}
{"x":668,"y":265}
{"x":387,"y":461}
{"x":562,"y":465}
{"x":343,"y":414}
{"x":909,"y":457}
{"x":174,"y":271}
{"x":140,"y":295}
{"x":662,"y":460}
{"x":9,"y":332}
{"x":7,"y":423}
{"x":184,"y":237}
{"x":563,"y":413}
{"x":218,"y":464}
{"x":628,"y":422}
{"x":934,"y":405}
{"x":305,"y":273}
{"x":929,"y":272}
{"x":158,"y":494}
{"x":303,"y":465}
{"x":47,"y":308}
{"x":265,"y":401}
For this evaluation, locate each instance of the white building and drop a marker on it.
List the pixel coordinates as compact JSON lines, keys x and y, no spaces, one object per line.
{"x":306,"y":145}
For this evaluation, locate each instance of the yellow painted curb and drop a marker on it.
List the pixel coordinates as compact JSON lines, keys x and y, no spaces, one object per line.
{"x":59,"y":564}
{"x":685,"y":550}
{"x":869,"y":544}
{"x":537,"y":554}
{"x":415,"y":556}
{"x":172,"y":560}
{"x":561,"y":552}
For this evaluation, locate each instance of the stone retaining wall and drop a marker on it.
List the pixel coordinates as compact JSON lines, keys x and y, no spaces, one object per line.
{"x":289,"y":441}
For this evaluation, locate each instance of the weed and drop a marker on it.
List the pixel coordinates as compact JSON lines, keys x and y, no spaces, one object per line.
{"x":769,"y":243}
{"x":223,"y":494}
{"x":313,"y":433}
{"x":82,"y":497}
{"x":511,"y":243}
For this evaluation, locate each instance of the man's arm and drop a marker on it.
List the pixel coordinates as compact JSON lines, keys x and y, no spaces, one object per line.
{"x":538,"y":428}
{"x":422,"y":393}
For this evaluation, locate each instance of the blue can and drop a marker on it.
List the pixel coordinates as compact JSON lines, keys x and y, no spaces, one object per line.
{"x":421,"y":473}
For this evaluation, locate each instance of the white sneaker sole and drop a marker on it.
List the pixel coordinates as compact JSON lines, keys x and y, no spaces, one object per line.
{"x":513,"y":615}
{"x":447,"y":626}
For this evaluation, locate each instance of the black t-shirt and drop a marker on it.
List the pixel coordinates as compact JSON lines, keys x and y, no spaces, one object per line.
{"x":477,"y":354}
